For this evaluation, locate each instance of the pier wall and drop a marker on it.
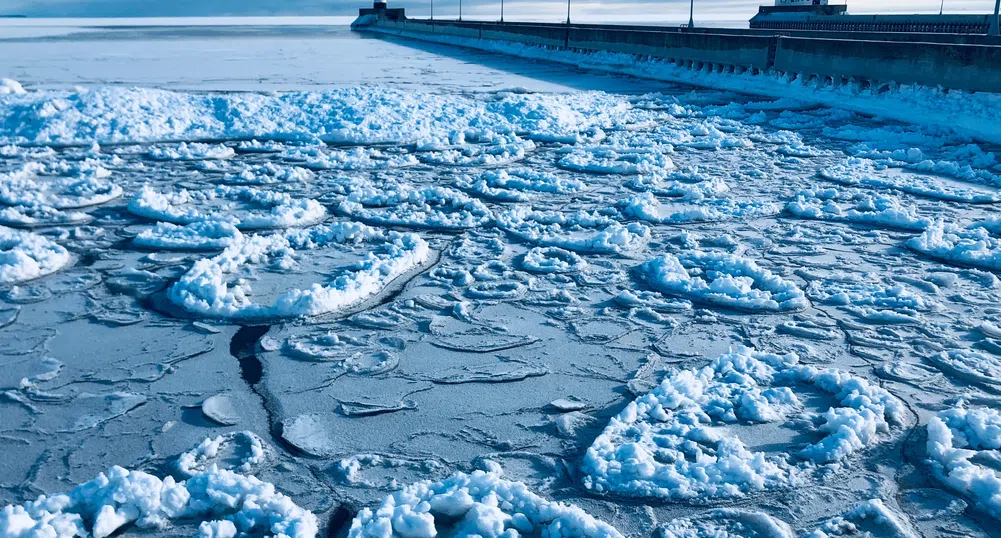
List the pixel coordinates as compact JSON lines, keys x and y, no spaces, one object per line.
{"x":963,"y":66}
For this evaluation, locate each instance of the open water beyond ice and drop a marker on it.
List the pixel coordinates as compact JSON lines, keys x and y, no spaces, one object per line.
{"x":408,"y":309}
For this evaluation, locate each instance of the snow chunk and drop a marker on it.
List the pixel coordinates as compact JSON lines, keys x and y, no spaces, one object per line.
{"x":191,"y":152}
{"x":724,"y":280}
{"x":673,"y":443}
{"x":977,"y":245}
{"x":120,"y":496}
{"x":956,"y":437}
{"x":552,"y":260}
{"x":516,"y":184}
{"x":359,"y":116}
{"x":419,"y":207}
{"x":205,"y":288}
{"x":580,"y":231}
{"x":353,"y":159}
{"x":208,"y":235}
{"x":479,"y":504}
{"x":688,"y":185}
{"x":36,"y":216}
{"x":264,"y":209}
{"x":494,"y":150}
{"x":269,"y":173}
{"x":856,"y":207}
{"x":615,"y":160}
{"x":872,"y":301}
{"x":9,"y":86}
{"x":647,"y":207}
{"x":26,"y":256}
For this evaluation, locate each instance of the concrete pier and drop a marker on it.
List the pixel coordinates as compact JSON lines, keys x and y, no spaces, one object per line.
{"x":961,"y":62}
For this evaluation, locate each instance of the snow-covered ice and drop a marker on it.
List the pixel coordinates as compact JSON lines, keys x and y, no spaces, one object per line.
{"x":723,"y":280}
{"x":477,"y":504}
{"x":262,"y":209}
{"x":368,"y":277}
{"x":27,"y":256}
{"x":580,"y":231}
{"x":207,"y":287}
{"x":673,"y":442}
{"x":120,"y":497}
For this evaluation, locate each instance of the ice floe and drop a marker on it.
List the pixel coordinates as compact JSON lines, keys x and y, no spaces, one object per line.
{"x":959,"y":439}
{"x":969,"y":365}
{"x":352,"y":159}
{"x":865,"y":173}
{"x":977,"y":245}
{"x":552,"y":260}
{"x":723,"y":280}
{"x":27,"y":256}
{"x":269,"y":173}
{"x":580,"y":231}
{"x":847,"y":205}
{"x":239,"y":452}
{"x":420,"y":207}
{"x":674,"y":442}
{"x":647,"y":207}
{"x":494,"y":150}
{"x":691,"y":184}
{"x":212,"y":287}
{"x":872,"y":301}
{"x":727,"y":523}
{"x":247,"y":208}
{"x":191,"y":152}
{"x":60,"y":185}
{"x":517,"y":184}
{"x":478,"y":504}
{"x":615,"y":160}
{"x":205,"y":235}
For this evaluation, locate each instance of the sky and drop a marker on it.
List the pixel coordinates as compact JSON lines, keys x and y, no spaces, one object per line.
{"x":611,"y":11}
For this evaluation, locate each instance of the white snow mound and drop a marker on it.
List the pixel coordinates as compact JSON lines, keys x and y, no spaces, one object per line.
{"x":673,"y":442}
{"x":478,"y":504}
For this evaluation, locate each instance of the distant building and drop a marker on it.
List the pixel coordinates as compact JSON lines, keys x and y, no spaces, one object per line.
{"x":381,"y":10}
{"x":819,"y":15}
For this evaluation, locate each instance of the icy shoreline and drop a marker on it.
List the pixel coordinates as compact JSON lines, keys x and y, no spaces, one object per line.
{"x":971,"y":114}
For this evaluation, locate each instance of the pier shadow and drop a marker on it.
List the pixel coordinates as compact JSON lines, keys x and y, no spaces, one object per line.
{"x":554,"y":74}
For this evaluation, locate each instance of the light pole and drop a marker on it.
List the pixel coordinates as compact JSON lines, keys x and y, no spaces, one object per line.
{"x":460,"y":10}
{"x":432,"y":9}
{"x":691,"y":15}
{"x":994,"y":21}
{"x":568,"y":12}
{"x":502,"y":10}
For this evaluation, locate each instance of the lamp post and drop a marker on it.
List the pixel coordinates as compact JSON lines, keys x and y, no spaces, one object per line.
{"x":502,"y":10}
{"x":994,"y":20}
{"x":568,"y":12}
{"x":432,"y":9}
{"x":691,"y":14}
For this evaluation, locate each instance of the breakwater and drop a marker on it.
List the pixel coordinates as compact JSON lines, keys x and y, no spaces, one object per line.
{"x":970,"y":63}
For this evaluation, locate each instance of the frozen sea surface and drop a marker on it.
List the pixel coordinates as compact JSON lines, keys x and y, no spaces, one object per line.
{"x":302,"y":281}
